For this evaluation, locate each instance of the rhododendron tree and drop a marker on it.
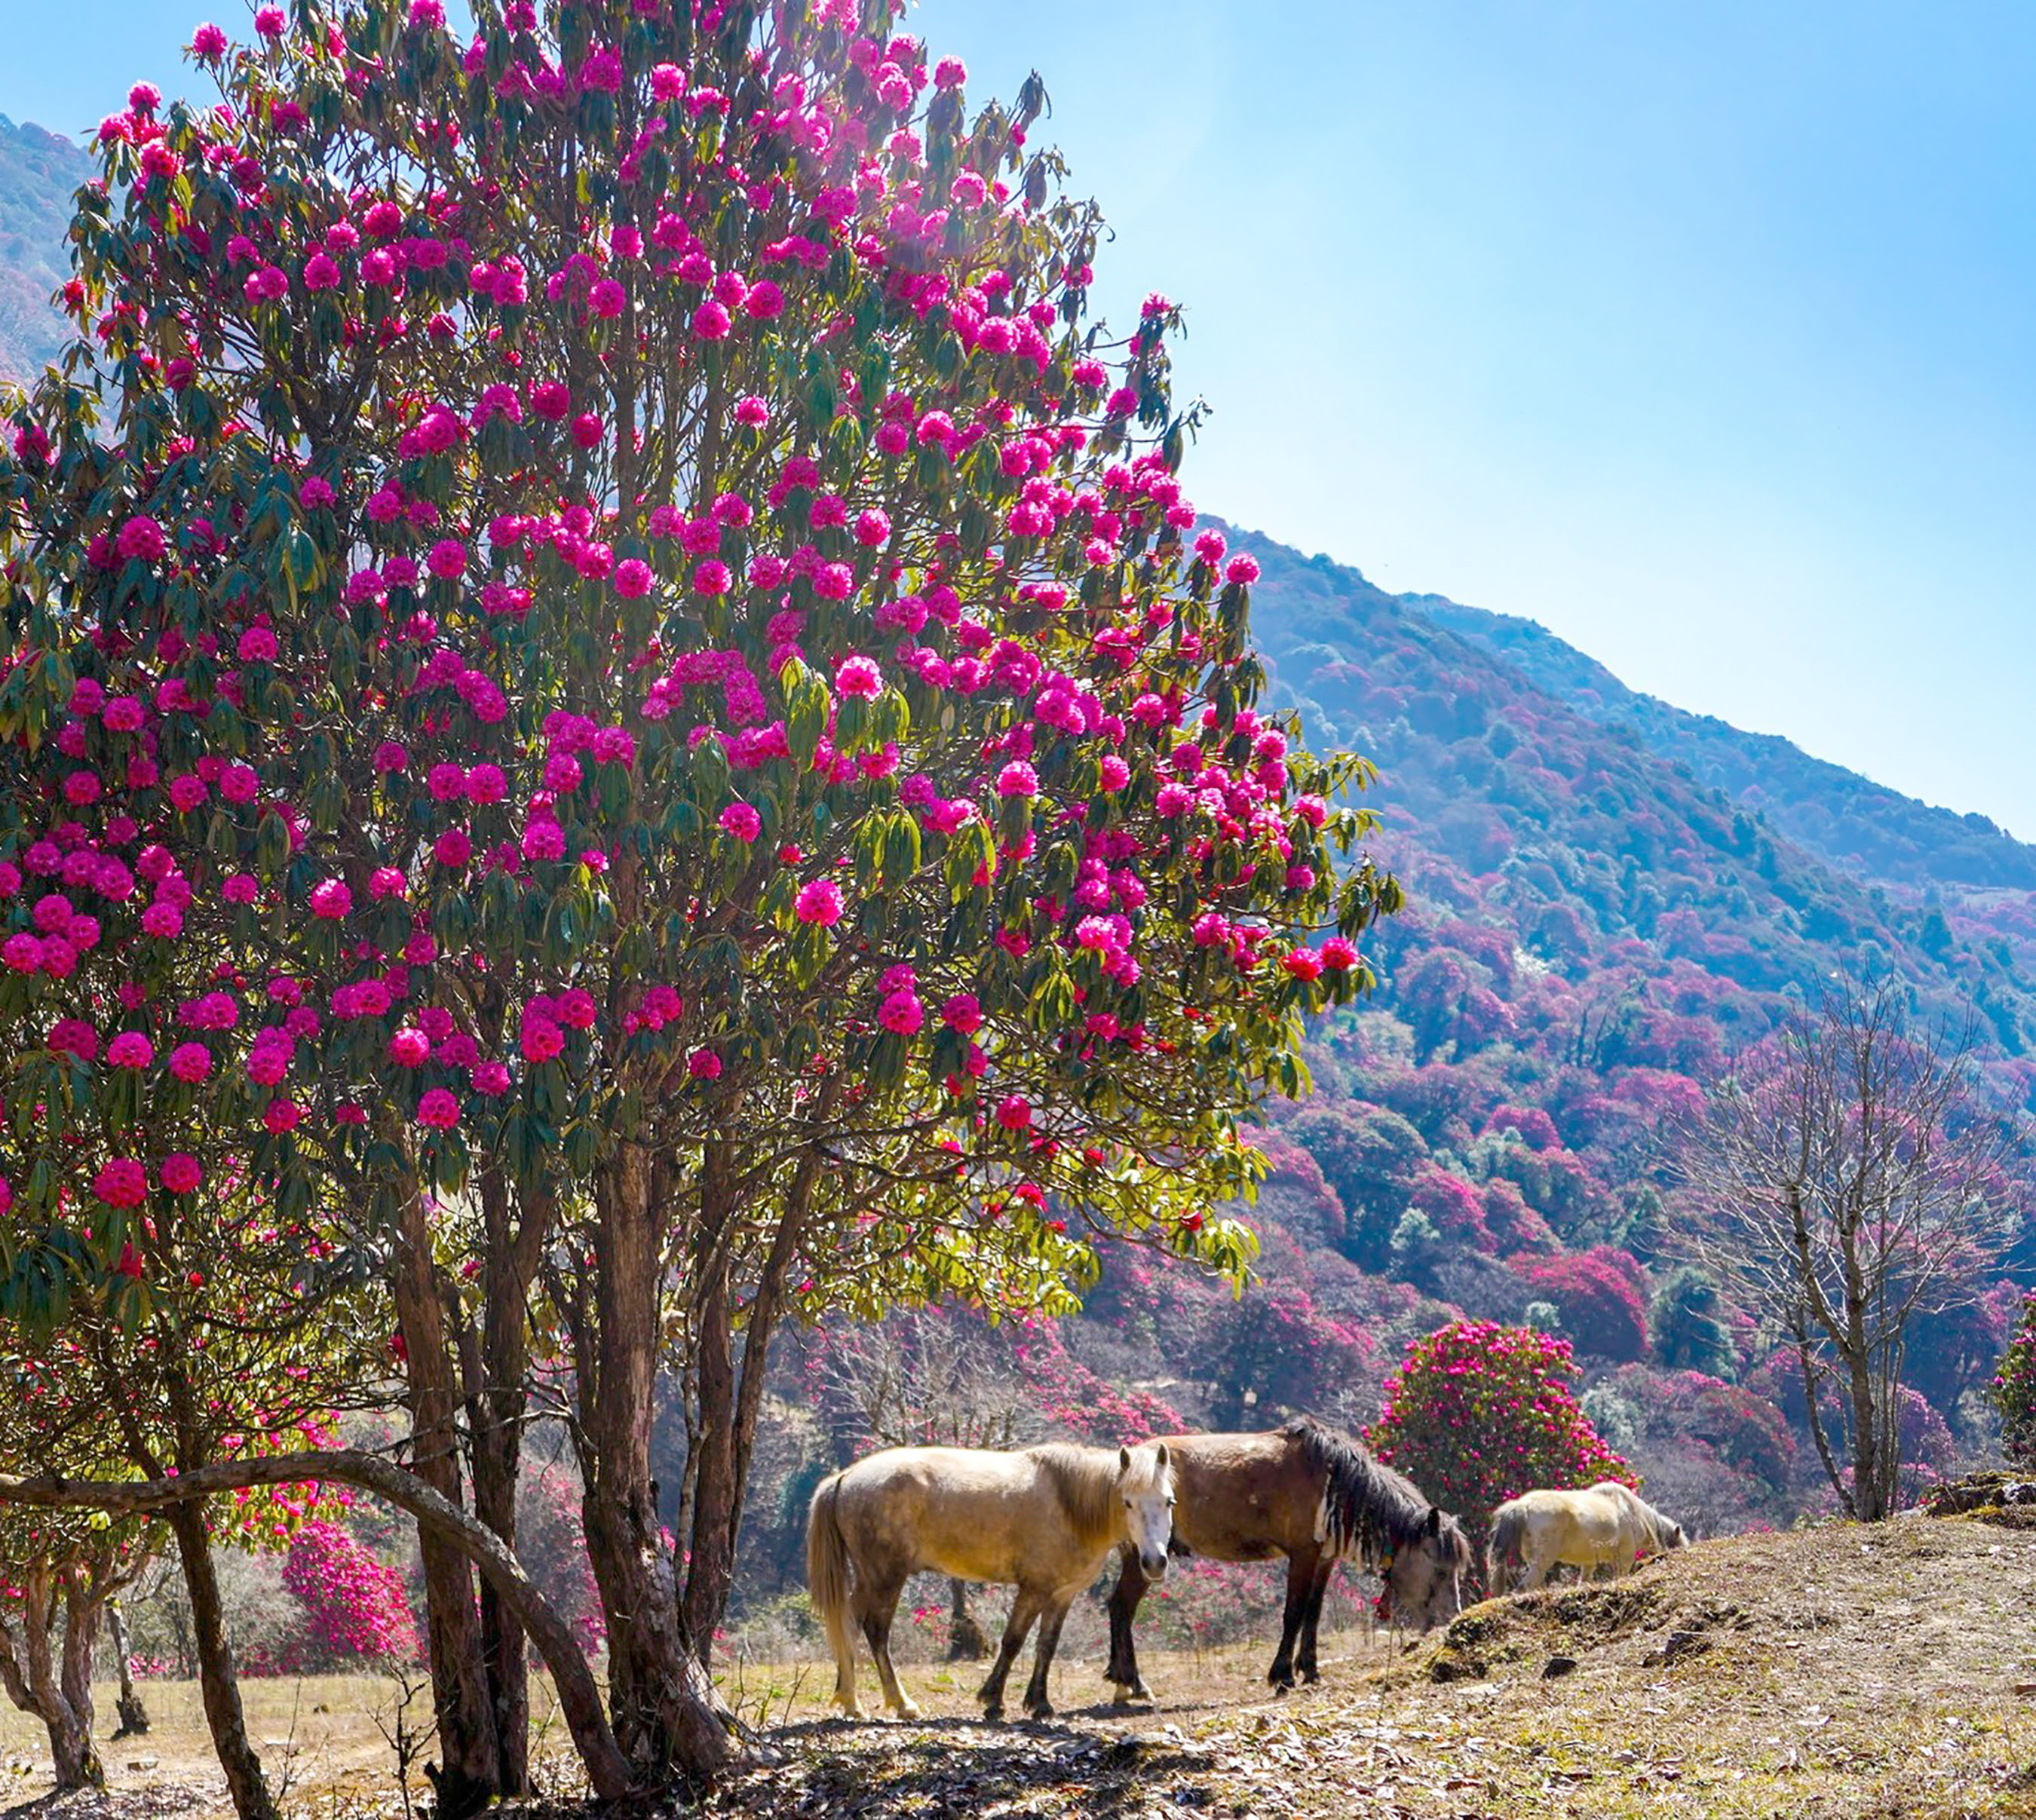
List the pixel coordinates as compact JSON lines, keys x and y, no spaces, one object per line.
{"x":1479,"y":1413}
{"x":2014,"y":1391}
{"x":1601,"y":1294}
{"x":634,"y":625}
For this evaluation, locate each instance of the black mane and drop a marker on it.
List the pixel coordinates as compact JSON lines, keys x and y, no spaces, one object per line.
{"x":1369,"y":1510}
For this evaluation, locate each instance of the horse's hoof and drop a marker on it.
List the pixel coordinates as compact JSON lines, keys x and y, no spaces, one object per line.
{"x":993,"y":1712}
{"x":905,"y":1709}
{"x":1043,"y":1710}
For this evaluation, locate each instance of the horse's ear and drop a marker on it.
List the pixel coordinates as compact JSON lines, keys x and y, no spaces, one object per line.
{"x":1434,"y":1525}
{"x":1162,"y":1455}
{"x":1123,"y":1460}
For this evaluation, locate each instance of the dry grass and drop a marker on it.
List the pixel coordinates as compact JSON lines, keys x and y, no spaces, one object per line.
{"x":1840,"y":1672}
{"x":325,"y":1741}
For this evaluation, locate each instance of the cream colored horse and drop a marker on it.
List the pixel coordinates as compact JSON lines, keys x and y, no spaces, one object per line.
{"x":1605,"y":1527}
{"x":1044,"y":1520}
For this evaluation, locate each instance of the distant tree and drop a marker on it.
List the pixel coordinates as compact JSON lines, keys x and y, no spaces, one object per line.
{"x":1599,"y":1293}
{"x":1848,"y":1179}
{"x":1690,"y":1333}
{"x":1371,"y":1157}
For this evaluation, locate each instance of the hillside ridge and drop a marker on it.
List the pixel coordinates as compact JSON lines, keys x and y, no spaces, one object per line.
{"x":1868,"y":827}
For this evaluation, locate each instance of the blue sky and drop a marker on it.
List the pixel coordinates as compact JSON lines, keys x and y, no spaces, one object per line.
{"x":1705,"y":335}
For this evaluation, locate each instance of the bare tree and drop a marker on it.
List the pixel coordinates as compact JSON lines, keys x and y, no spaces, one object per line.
{"x":1849,"y":1177}
{"x":930,"y":1378}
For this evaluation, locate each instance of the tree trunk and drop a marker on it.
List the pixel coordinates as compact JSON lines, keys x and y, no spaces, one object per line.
{"x":496,"y":1408}
{"x":245,"y":1782}
{"x":667,"y":1717}
{"x":82,"y":1607}
{"x":711,"y":1563}
{"x":133,"y":1714}
{"x":724,"y":1424}
{"x":965,"y":1641}
{"x":472,"y":1771}
{"x":54,"y":1695}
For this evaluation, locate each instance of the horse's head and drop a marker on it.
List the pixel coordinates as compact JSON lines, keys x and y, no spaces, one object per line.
{"x":1424,"y":1579}
{"x":1671,"y":1534}
{"x":1145,"y":1483}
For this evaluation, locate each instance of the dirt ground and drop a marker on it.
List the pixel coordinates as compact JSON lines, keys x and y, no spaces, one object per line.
{"x":1838,"y":1672}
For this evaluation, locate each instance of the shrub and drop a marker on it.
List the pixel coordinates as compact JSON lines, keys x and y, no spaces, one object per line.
{"x":1480,"y":1413}
{"x":354,"y":1606}
{"x":2014,"y":1391}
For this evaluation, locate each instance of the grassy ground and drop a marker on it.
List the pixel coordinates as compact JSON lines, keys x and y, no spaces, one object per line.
{"x":1838,"y":1672}
{"x":327,"y":1741}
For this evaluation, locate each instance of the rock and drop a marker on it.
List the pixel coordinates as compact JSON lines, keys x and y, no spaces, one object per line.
{"x":1558,"y":1665}
{"x":139,"y":1763}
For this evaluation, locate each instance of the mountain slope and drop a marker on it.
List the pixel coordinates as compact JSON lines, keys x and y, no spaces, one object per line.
{"x":1869,"y":829}
{"x":1599,"y":856}
{"x":39,"y":171}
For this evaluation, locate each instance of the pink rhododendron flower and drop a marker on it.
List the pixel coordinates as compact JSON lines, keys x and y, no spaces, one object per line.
{"x":122,"y":1182}
{"x":858,"y":679}
{"x":438,"y":1109}
{"x":181,"y":1173}
{"x":819,"y":902}
{"x":741,"y":821}
{"x":331,"y":899}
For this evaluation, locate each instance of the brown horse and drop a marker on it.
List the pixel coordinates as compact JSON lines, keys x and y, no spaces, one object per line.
{"x":1316,"y":1496}
{"x":1044,"y":1520}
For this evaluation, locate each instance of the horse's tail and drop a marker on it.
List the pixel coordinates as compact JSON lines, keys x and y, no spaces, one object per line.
{"x":1503,"y":1551}
{"x":827,"y":1570}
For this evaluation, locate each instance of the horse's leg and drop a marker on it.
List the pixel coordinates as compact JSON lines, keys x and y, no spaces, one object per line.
{"x":1311,"y":1619}
{"x":1300,"y":1572}
{"x":1036,"y":1701}
{"x":1123,"y":1673}
{"x":875,"y":1610}
{"x":1024,"y":1608}
{"x":1537,"y":1570}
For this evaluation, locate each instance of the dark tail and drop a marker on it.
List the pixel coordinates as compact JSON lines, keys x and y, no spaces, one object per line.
{"x":1503,"y":1552}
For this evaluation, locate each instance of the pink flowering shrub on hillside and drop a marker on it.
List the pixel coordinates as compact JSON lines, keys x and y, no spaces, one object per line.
{"x":355,"y":1607}
{"x":1480,"y":1413}
{"x":2014,"y":1392}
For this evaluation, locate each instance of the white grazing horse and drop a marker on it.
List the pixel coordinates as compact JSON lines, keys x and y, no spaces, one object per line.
{"x":1606,"y":1527}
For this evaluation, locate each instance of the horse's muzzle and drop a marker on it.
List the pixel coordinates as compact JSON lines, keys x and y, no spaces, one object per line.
{"x":1154,"y":1563}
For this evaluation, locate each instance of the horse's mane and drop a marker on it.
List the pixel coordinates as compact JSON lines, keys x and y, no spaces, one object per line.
{"x":1368,"y":1509}
{"x":1084,"y":1478}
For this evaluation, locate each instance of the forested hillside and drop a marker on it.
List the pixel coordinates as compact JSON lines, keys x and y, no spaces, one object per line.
{"x":38,"y":172}
{"x":1858,"y":825}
